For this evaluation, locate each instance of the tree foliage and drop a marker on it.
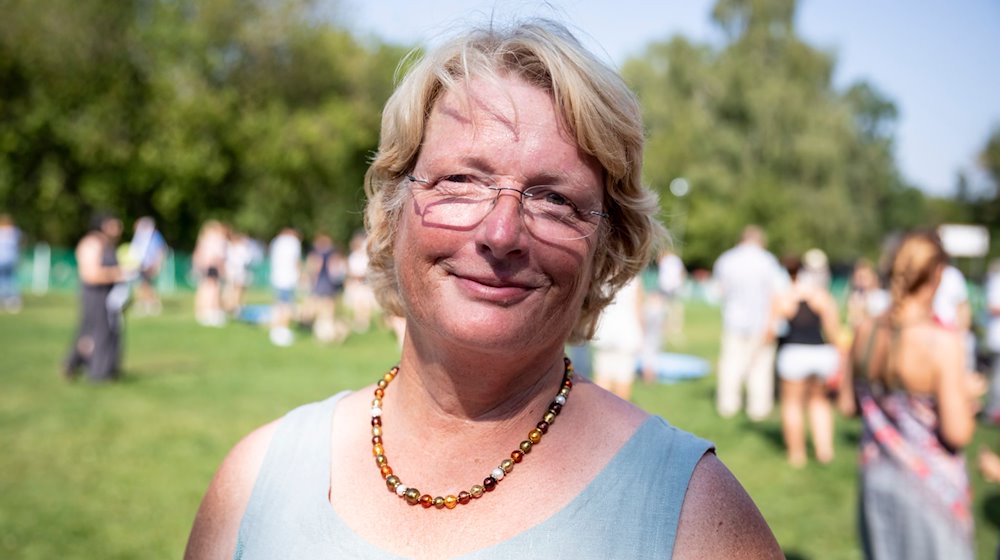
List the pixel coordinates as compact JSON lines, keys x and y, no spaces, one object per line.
{"x":264,"y":113}
{"x":762,"y":136}
{"x":256,"y":112}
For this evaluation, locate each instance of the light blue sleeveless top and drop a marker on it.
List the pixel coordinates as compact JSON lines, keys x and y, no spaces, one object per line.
{"x":630,"y":510}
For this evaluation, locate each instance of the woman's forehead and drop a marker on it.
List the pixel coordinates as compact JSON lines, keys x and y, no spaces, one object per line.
{"x":490,"y":119}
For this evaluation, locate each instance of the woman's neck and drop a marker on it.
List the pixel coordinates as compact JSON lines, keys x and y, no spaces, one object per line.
{"x":464,"y":386}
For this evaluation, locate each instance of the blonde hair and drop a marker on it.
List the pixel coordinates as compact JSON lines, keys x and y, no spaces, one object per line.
{"x":599,"y":111}
{"x":915,"y":264}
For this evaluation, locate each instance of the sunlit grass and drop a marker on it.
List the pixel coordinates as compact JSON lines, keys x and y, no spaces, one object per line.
{"x":117,"y":471}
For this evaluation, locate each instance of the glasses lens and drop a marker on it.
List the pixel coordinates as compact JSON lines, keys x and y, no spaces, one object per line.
{"x":462,"y":201}
{"x":554,"y":215}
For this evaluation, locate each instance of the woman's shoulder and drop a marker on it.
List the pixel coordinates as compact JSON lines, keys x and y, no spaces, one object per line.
{"x":218,"y":519}
{"x":719,"y":519}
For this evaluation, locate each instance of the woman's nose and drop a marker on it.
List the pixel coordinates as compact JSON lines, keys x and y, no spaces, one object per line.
{"x":502,"y":231}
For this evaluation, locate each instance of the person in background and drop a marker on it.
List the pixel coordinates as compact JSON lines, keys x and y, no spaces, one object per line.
{"x":326,"y":269}
{"x":672,"y":278}
{"x":97,"y":343}
{"x":866,"y":299}
{"x":358,"y":297}
{"x":748,"y":278}
{"x":992,"y":296}
{"x":147,"y":250}
{"x":618,"y":341}
{"x":10,"y":251}
{"x":953,"y":310}
{"x":505,"y":208}
{"x":285,"y":254}
{"x":209,"y":260}
{"x":653,"y":309}
{"x":806,"y":358}
{"x":236,"y":276}
{"x":907,"y":380}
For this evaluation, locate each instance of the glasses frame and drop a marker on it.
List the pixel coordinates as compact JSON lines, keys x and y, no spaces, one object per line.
{"x":582,"y":214}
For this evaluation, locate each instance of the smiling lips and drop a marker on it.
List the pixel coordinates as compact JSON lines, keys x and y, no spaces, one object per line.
{"x":493,"y":289}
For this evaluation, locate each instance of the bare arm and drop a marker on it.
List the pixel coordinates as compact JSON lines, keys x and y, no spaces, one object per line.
{"x":845,"y":394}
{"x":719,"y":520}
{"x":88,"y":258}
{"x":830,"y":319}
{"x":955,"y":398}
{"x":218,"y":519}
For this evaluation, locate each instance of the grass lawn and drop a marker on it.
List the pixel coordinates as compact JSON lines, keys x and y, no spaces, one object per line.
{"x":117,"y":471}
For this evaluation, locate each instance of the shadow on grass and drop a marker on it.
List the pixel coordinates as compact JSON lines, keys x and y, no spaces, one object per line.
{"x":770,"y":432}
{"x":794,"y":555}
{"x":991,"y":509}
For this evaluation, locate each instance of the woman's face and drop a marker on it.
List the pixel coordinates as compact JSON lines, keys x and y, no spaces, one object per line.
{"x":497,"y":284}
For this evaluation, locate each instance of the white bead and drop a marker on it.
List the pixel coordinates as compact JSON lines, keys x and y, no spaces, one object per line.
{"x":401,"y":489}
{"x":560,"y":399}
{"x":376,"y":411}
{"x":497,"y":474}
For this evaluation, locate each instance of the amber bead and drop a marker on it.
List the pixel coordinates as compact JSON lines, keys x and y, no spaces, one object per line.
{"x":535,"y":436}
{"x":377,"y":449}
{"x":543,"y":427}
{"x":412,"y":496}
{"x":391,"y":481}
{"x":476,"y":491}
{"x":376,"y":420}
{"x":517,"y":456}
{"x":450,"y":502}
{"x":464,"y":497}
{"x":381,"y":460}
{"x":489,"y":483}
{"x":507,"y":465}
{"x":439,"y":502}
{"x":426,"y":501}
{"x":386,"y":470}
{"x":380,"y":392}
{"x":548,"y":417}
{"x":388,"y":377}
{"x":525,"y":447}
{"x":568,"y":383}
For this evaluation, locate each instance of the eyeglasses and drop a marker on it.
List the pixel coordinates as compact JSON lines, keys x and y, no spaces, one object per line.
{"x":463,"y":200}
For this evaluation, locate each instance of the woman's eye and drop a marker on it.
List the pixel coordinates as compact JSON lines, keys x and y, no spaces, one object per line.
{"x":458,"y":178}
{"x":557,"y":199}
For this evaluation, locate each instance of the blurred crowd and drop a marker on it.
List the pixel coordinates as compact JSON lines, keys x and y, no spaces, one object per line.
{"x":899,"y":344}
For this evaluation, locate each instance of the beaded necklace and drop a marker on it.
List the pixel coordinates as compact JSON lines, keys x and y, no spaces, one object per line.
{"x":413,"y":496}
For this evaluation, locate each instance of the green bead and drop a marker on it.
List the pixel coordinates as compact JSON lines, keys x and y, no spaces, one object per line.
{"x":525,"y":446}
{"x":412,"y":496}
{"x":392,"y":481}
{"x":477,"y":491}
{"x":507,"y":465}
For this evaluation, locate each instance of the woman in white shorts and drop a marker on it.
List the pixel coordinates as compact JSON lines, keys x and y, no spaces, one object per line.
{"x":806,"y":359}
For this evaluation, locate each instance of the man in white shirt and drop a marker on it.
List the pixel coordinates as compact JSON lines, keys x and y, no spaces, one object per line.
{"x":748,"y":278}
{"x":952,"y":309}
{"x":286,"y":260}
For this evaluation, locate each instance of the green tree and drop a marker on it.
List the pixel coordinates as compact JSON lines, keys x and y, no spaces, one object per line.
{"x":762,"y":136}
{"x":258,"y":112}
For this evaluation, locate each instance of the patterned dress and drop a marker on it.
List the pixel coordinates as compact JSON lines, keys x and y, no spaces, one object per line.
{"x":915,"y":495}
